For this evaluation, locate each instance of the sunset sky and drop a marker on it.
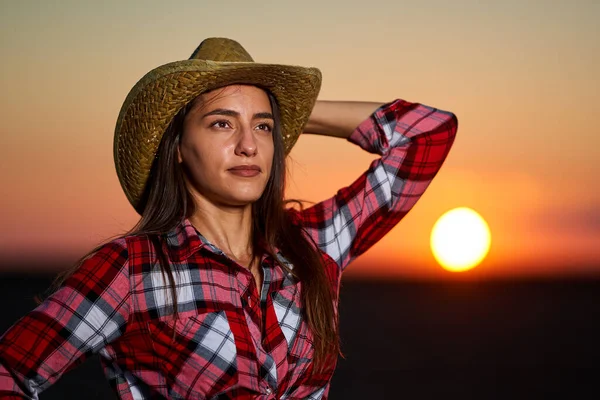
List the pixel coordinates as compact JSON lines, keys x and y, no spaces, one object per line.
{"x":521,"y":76}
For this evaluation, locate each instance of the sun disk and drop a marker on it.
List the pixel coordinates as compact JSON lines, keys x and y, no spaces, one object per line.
{"x":460,"y":239}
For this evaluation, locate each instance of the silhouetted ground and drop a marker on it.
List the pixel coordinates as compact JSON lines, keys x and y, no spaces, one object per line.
{"x":410,"y":340}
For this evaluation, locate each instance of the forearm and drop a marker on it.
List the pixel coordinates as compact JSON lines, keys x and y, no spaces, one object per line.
{"x":89,"y":311}
{"x":338,"y":118}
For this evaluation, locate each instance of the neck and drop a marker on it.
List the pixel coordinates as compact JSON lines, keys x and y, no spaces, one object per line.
{"x":228,"y":228}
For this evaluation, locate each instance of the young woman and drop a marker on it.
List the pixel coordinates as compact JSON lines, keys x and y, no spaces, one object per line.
{"x":222,"y":290}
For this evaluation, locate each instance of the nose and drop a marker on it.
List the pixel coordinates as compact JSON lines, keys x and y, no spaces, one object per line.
{"x":246,"y":145}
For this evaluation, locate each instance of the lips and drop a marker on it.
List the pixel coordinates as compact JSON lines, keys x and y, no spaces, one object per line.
{"x":245,"y":170}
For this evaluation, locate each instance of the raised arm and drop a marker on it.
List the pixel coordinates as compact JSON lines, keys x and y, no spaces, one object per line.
{"x":413,"y":141}
{"x":338,"y":118}
{"x":89,"y":311}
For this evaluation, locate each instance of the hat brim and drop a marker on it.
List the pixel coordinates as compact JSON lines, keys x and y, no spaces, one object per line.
{"x":156,"y":98}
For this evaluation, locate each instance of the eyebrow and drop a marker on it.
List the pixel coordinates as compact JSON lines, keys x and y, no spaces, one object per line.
{"x":231,"y":113}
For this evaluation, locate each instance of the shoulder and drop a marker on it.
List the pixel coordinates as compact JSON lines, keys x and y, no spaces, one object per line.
{"x":105,"y":266}
{"x":294,"y":216}
{"x":113,"y":254}
{"x":136,"y":243}
{"x":143,"y":251}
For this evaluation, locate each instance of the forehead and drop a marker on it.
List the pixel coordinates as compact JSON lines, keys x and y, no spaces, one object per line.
{"x":241,"y":96}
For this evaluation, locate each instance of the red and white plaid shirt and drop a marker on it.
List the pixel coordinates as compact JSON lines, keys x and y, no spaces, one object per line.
{"x":231,"y":340}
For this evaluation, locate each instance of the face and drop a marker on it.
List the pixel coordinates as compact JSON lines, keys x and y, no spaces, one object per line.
{"x":226,"y":147}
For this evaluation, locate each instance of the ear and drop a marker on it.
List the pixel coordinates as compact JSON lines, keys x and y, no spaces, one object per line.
{"x":179,"y":158}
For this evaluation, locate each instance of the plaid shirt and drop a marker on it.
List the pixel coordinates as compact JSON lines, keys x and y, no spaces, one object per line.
{"x":231,"y":340}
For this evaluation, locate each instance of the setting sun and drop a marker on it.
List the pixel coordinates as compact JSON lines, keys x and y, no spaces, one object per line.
{"x":460,"y":239}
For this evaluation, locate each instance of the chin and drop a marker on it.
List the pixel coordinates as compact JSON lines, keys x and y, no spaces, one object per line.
{"x":246,"y":193}
{"x":242,"y":199}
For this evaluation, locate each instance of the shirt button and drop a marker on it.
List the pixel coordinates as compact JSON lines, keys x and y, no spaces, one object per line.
{"x":268,"y":391}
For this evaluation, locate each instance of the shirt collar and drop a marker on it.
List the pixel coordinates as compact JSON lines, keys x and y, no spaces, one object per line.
{"x":184,"y":240}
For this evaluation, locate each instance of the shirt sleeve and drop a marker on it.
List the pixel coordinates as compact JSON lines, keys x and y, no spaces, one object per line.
{"x":89,"y":311}
{"x":413,"y":141}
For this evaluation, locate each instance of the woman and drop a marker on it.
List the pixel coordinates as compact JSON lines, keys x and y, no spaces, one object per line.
{"x":221,"y":290}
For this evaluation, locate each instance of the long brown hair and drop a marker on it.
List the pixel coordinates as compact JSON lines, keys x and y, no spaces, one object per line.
{"x":167,"y":202}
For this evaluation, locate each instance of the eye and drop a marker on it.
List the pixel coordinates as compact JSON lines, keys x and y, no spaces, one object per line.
{"x":265,"y":127}
{"x":220,"y":123}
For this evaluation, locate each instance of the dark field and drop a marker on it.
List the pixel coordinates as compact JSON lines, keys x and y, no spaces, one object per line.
{"x":410,"y":340}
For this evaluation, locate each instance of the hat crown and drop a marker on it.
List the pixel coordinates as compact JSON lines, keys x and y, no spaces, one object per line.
{"x":221,"y":49}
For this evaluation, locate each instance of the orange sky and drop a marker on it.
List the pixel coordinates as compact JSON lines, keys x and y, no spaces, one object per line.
{"x":523,"y":84}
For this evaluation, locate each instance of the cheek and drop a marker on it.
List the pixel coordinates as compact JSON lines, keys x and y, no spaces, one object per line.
{"x":201,"y":159}
{"x":268,"y":151}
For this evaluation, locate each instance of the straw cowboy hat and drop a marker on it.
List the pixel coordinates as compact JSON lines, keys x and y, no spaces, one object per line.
{"x":161,"y":93}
